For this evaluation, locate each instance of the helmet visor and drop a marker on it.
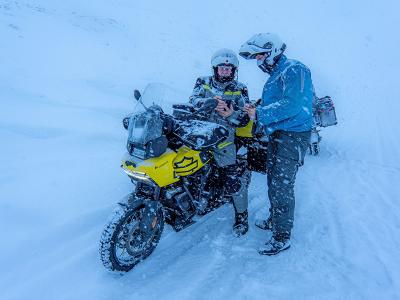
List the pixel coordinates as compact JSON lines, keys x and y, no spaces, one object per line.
{"x":247,"y":55}
{"x":262,"y":56}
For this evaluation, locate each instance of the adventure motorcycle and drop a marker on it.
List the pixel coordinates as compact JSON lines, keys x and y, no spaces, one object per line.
{"x":170,"y":161}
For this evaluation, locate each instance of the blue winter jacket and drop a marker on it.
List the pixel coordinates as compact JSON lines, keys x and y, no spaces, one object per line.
{"x":287,"y":98}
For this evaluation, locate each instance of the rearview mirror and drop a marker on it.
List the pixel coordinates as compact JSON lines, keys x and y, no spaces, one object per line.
{"x":137,"y":94}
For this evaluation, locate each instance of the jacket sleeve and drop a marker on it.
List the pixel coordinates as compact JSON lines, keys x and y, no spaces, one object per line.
{"x":198,"y":93}
{"x":290,"y":104}
{"x":239,"y":118}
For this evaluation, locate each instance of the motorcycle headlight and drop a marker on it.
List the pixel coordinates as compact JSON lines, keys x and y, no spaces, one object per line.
{"x":139,"y":176}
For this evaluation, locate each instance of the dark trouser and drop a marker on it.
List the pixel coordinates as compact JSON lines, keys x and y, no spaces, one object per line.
{"x":286,"y":151}
{"x":236,"y":179}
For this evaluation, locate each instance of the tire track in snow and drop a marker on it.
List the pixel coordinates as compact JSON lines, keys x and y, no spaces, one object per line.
{"x":351,"y":204}
{"x":377,"y":230}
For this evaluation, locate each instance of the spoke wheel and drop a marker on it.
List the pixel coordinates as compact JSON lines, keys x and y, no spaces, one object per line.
{"x":122,"y":244}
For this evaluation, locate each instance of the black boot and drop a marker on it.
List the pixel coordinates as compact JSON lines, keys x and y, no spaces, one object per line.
{"x":274,"y":246}
{"x":241,"y":225}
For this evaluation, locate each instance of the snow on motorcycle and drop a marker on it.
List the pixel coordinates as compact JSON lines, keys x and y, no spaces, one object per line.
{"x":170,"y":161}
{"x":324,"y":115}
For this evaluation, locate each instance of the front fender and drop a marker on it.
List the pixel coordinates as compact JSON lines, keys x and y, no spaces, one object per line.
{"x":150,"y":211}
{"x":149,"y":216}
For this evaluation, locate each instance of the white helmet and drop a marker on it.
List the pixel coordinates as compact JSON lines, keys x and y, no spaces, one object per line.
{"x":261,"y":43}
{"x":224,"y":57}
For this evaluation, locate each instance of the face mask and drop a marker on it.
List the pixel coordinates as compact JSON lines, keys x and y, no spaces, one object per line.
{"x":262,"y":64}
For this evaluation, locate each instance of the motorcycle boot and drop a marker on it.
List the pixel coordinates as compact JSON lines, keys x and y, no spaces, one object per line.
{"x":241,"y":225}
{"x":274,"y":246}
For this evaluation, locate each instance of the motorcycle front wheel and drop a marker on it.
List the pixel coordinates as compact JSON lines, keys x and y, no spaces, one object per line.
{"x":123,"y":244}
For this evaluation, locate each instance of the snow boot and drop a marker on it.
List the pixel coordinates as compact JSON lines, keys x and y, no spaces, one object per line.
{"x":274,"y":246}
{"x":264,"y":224}
{"x":241,"y":225}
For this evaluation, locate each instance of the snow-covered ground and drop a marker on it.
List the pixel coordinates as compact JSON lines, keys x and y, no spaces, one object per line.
{"x":68,"y":69}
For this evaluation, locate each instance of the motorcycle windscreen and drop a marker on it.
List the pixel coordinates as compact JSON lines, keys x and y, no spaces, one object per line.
{"x":161,"y":95}
{"x":144,"y":127}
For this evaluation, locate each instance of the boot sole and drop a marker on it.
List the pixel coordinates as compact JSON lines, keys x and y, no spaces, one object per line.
{"x":274,"y":253}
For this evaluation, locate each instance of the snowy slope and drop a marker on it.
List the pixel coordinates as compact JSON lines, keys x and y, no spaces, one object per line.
{"x":67,"y":73}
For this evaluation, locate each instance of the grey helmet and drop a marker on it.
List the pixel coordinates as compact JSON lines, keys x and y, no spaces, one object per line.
{"x":224,"y":57}
{"x":261,"y":43}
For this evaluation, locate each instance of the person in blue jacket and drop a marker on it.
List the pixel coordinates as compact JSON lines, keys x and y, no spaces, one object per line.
{"x":285,"y":116}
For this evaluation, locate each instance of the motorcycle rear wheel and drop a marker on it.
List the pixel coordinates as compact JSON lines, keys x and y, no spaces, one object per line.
{"x":122,"y":245}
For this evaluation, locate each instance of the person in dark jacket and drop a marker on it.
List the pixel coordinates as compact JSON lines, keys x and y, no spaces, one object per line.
{"x":231,"y":96}
{"x":285,"y":116}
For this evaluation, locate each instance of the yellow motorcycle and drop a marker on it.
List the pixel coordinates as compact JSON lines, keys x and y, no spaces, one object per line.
{"x":170,"y":162}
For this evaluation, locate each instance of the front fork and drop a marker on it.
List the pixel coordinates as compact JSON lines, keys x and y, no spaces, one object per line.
{"x":150,"y":215}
